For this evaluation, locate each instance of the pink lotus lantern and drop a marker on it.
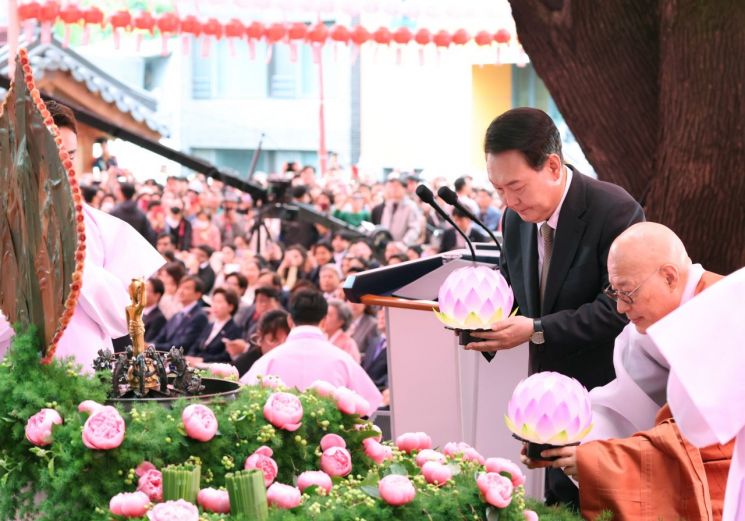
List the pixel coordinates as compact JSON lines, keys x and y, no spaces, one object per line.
{"x":548,"y":410}
{"x":473,"y":299}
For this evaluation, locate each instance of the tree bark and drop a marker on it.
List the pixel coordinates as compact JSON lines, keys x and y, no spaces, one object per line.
{"x":652,"y":91}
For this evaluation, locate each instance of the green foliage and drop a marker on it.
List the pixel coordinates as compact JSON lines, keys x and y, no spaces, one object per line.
{"x":76,"y":483}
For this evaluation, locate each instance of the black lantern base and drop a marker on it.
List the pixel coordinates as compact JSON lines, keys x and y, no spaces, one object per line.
{"x":533,"y":450}
{"x":465,"y":337}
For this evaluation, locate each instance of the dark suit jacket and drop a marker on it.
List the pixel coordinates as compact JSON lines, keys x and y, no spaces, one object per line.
{"x":154,"y":323}
{"x":377,"y":367}
{"x":128,"y":212}
{"x":245,"y":360}
{"x":376,"y":215}
{"x":207,"y":274}
{"x":186,"y":334}
{"x":449,"y":237}
{"x":580,"y":323}
{"x":214,"y":351}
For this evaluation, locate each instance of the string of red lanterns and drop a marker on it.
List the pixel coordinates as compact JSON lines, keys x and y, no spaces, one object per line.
{"x":294,"y":33}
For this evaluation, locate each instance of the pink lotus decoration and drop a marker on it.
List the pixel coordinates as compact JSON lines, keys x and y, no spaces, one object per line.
{"x":549,"y":408}
{"x":474,"y":297}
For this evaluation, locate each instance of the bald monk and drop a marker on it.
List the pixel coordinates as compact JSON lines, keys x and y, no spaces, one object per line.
{"x":653,"y":474}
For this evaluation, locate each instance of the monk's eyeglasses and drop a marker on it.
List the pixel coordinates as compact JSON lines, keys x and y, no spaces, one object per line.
{"x":627,"y":297}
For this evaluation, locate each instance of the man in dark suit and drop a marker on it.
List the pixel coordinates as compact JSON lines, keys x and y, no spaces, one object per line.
{"x":187,"y":326}
{"x":152,"y":316}
{"x":557,"y":228}
{"x":128,"y":212}
{"x":202,"y":255}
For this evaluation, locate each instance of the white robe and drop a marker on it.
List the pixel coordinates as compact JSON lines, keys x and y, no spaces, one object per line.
{"x":704,"y":344}
{"x":629,"y":404}
{"x":115,"y":254}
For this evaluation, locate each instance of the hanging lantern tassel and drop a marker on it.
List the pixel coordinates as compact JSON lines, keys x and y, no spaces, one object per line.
{"x":48,"y":15}
{"x":71,"y":15}
{"x":297,"y":32}
{"x":211,"y":29}
{"x":251,"y":49}
{"x":402,"y":37}
{"x":190,"y":26}
{"x":382,"y":37}
{"x":143,"y":23}
{"x":317,"y":49}
{"x":359,"y":36}
{"x":185,"y":45}
{"x":274,"y":33}
{"x":91,"y":16}
{"x":341,"y":35}
{"x":442,"y":40}
{"x":502,"y":37}
{"x":234,"y":29}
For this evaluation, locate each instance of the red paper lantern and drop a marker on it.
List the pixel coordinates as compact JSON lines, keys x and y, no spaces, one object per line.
{"x":483,"y":38}
{"x":442,"y":39}
{"x":297,"y":31}
{"x":360,"y":35}
{"x":319,"y":33}
{"x":92,"y":16}
{"x":235,"y":29}
{"x":276,"y":32}
{"x":191,"y":25}
{"x":382,"y":36}
{"x":120,"y":19}
{"x":423,"y":37}
{"x":71,"y":14}
{"x":402,"y":35}
{"x":48,"y":12}
{"x":168,"y":23}
{"x":502,"y":36}
{"x":340,"y":33}
{"x":461,"y":37}
{"x":144,"y":21}
{"x":255,"y":30}
{"x":29,"y":11}
{"x":212,"y":28}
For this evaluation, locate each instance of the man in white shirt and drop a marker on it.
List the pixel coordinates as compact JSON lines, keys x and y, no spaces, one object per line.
{"x":308,"y":356}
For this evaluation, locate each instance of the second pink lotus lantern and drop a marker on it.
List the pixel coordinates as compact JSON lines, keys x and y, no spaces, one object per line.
{"x":549,"y":410}
{"x":473,"y":299}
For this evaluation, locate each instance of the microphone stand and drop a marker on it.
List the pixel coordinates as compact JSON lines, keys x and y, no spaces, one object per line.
{"x":426,"y":195}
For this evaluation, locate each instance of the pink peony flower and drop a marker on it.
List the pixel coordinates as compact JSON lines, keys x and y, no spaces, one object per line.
{"x":323,"y":388}
{"x":336,"y":462}
{"x":314,"y":477}
{"x":500,"y":465}
{"x":410,"y":441}
{"x":151,"y":483}
{"x":437,"y":473}
{"x":89,"y":406}
{"x":396,"y":490}
{"x":497,"y":489}
{"x":467,"y":452}
{"x":530,"y":515}
{"x":214,"y":500}
{"x":174,"y":511}
{"x":332,"y":440}
{"x":284,"y":411}
{"x":144,"y":467}
{"x":262,"y":460}
{"x":199,"y":421}
{"x":425,"y":455}
{"x":226,"y":371}
{"x":349,"y":402}
{"x":129,"y":504}
{"x":270,"y":381}
{"x":39,"y":427}
{"x":283,"y":496}
{"x":377,"y":451}
{"x":104,"y":429}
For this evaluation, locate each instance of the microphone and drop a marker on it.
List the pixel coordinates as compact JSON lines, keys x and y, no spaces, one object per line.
{"x":426,"y":195}
{"x":451,"y":198}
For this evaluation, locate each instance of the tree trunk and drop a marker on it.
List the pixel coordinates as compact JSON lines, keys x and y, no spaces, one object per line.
{"x":652,"y":92}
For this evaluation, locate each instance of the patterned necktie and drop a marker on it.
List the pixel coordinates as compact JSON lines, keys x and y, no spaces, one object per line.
{"x":548,"y":246}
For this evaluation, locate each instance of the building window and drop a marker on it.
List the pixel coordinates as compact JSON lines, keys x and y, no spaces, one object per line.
{"x":288,"y":79}
{"x":222,"y":75}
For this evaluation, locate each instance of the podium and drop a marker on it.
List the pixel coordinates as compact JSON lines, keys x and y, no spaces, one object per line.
{"x":437,"y":386}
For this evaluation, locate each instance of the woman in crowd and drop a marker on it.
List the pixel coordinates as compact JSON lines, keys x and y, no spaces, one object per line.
{"x":335,"y":325}
{"x":293,"y":266}
{"x":171,"y":275}
{"x":204,"y":231}
{"x":364,"y":326}
{"x":211,"y":347}
{"x":272,"y":331}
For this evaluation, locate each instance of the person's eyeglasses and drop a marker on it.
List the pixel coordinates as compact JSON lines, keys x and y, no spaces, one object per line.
{"x":627,"y":297}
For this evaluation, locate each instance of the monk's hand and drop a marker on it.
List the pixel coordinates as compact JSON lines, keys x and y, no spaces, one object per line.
{"x":531,"y":463}
{"x":567,"y":459}
{"x":505,"y":334}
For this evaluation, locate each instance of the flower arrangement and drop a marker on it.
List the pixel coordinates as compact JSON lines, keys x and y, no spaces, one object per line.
{"x":326,"y":468}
